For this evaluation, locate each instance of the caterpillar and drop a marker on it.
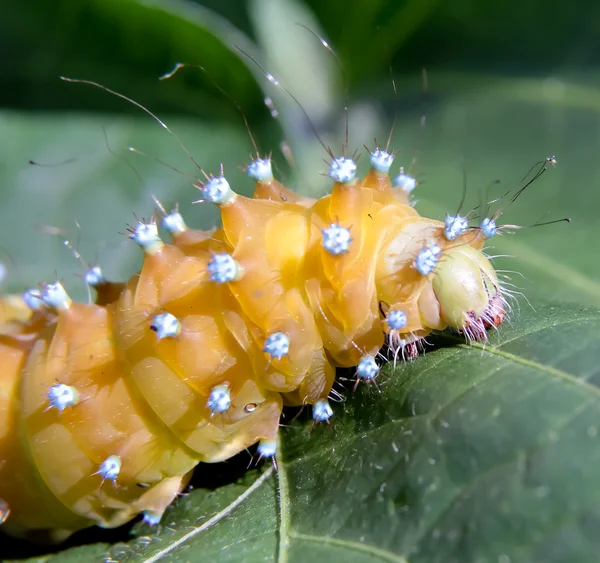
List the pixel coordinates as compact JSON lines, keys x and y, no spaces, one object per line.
{"x":107,"y":407}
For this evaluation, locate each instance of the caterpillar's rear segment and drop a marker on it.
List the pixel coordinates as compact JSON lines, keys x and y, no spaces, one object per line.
{"x":105,"y":409}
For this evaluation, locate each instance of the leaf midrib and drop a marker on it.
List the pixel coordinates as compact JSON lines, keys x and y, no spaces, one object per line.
{"x":214,"y":520}
{"x":286,"y":533}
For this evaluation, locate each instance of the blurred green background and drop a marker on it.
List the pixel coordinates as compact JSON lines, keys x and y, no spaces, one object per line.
{"x":507,"y":83}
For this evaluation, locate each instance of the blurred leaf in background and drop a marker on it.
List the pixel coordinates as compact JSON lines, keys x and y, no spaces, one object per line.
{"x":508,"y":84}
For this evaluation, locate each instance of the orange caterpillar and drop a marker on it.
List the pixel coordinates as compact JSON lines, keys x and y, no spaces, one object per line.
{"x":106,"y":408}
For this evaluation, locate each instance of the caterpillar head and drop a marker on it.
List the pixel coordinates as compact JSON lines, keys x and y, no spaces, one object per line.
{"x":468,"y":291}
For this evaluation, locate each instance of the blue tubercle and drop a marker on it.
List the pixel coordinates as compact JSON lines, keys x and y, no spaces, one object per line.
{"x":277,"y":345}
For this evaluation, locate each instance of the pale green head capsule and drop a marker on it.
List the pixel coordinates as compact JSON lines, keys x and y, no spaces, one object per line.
{"x":464,"y":283}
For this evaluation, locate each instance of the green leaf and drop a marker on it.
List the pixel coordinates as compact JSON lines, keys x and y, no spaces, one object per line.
{"x":470,"y":453}
{"x":481,"y":453}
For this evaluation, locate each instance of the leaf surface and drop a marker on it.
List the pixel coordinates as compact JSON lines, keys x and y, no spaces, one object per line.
{"x":470,"y":453}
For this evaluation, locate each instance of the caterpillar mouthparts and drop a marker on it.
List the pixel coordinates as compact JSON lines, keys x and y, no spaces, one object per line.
{"x":193,"y":358}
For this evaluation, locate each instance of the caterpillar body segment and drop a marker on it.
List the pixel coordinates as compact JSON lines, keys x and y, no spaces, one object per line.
{"x":193,"y":358}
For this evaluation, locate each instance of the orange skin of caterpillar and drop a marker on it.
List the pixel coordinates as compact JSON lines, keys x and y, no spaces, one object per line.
{"x":145,"y":399}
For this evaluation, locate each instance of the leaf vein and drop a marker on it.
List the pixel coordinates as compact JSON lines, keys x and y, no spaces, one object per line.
{"x":214,"y":520}
{"x":565,"y":376}
{"x":355,"y":546}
